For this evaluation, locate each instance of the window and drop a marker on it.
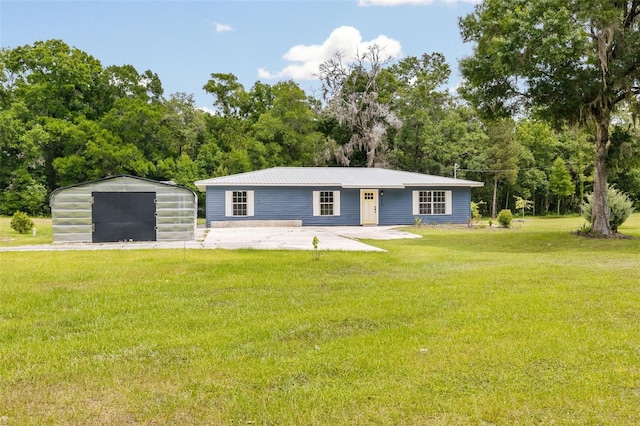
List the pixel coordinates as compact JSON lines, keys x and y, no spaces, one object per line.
{"x":239,"y":200}
{"x":238,"y":203}
{"x":326,"y":203}
{"x":431,"y":202}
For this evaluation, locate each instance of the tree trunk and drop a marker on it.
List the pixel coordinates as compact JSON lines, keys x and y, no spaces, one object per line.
{"x":600,"y":209}
{"x":495,"y":191}
{"x":534,"y":204}
{"x":547,"y":203}
{"x":506,"y":201}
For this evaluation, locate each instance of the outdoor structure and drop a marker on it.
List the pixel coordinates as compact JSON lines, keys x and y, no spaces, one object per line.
{"x":123,"y":208}
{"x":300,"y":196}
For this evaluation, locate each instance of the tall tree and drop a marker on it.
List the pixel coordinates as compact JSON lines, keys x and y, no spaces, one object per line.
{"x":578,"y":148}
{"x":567,"y":60}
{"x":560,"y":183}
{"x":288,"y":128}
{"x":357,"y":94}
{"x":428,"y":116}
{"x":502,"y":156}
{"x":52,"y":79}
{"x":186,"y":124}
{"x":540,"y":146}
{"x":229,"y":95}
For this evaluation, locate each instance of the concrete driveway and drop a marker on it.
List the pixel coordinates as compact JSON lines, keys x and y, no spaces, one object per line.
{"x":301,"y":238}
{"x":343,"y":238}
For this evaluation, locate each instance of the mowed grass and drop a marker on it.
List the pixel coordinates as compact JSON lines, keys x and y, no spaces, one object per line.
{"x":530,"y":325}
{"x":10,"y":237}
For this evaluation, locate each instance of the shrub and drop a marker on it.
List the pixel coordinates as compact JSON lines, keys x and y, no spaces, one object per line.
{"x":505,"y":217}
{"x":620,"y":207}
{"x":475,"y":211}
{"x":21,"y":223}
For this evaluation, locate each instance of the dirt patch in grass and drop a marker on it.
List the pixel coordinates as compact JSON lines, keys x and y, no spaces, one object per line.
{"x":596,"y":235}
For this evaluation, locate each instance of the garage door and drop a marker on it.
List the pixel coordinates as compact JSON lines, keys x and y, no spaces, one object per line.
{"x":123,"y":216}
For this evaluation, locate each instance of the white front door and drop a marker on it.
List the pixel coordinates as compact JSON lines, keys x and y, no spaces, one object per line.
{"x":369,"y":206}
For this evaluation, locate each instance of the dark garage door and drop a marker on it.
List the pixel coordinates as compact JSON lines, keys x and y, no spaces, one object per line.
{"x":123,"y":216}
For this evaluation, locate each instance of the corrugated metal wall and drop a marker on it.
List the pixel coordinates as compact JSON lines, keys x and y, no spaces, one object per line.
{"x":176,"y":208}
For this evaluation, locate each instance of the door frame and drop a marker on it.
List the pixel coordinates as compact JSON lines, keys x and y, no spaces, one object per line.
{"x":376,"y":205}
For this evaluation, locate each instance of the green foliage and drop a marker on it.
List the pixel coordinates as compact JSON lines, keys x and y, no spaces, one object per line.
{"x":23,"y":193}
{"x":586,"y":230}
{"x":540,"y":146}
{"x":503,"y":154}
{"x":560,"y":182}
{"x":620,"y":207}
{"x":21,"y":223}
{"x":522,"y":204}
{"x":65,"y":119}
{"x":504,"y":150}
{"x":475,"y":211}
{"x":504,"y":218}
{"x":584,"y":51}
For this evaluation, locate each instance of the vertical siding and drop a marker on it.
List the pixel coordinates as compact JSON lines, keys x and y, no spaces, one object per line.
{"x":71,"y":208}
{"x":296,"y":203}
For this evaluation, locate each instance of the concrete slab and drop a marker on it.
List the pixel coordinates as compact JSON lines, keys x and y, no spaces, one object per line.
{"x":301,"y":238}
{"x":341,"y":238}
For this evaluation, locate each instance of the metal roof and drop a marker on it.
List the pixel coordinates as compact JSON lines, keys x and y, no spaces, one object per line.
{"x":92,"y":182}
{"x":345,"y":177}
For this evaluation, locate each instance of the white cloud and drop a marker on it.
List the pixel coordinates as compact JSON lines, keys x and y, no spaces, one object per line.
{"x":222,"y":28}
{"x":207,"y":110}
{"x":306,"y":60}
{"x":410,"y":2}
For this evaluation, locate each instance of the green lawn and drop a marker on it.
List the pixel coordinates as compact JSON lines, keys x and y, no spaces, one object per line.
{"x":530,"y":325}
{"x":9,"y":237}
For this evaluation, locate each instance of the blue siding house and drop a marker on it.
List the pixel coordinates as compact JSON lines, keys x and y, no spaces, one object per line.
{"x":324,"y":196}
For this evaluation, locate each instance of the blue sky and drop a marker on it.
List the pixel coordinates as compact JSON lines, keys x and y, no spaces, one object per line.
{"x":256,"y":40}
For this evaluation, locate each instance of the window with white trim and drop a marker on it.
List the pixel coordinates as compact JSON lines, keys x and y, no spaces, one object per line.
{"x":238,"y":203}
{"x":326,"y":203}
{"x":431,"y":202}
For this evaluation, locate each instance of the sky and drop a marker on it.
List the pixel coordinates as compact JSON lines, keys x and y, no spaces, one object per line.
{"x":184,"y":42}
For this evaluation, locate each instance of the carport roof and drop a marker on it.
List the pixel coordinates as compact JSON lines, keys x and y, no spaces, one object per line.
{"x":345,"y":177}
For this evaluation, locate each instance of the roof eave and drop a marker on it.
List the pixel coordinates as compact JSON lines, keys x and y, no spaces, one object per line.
{"x":354,"y":186}
{"x":447,"y":184}
{"x":202,"y":186}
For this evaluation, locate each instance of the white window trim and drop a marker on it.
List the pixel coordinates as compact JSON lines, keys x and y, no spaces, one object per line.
{"x":448,"y":209}
{"x":316,"y":203}
{"x":228,"y":203}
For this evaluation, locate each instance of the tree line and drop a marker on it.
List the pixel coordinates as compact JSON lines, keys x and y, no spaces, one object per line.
{"x":66,"y":119}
